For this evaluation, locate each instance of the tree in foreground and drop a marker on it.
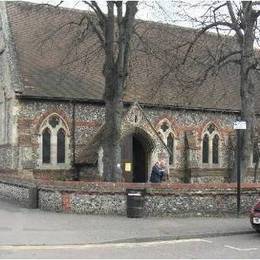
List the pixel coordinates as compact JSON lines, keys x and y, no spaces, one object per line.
{"x":235,"y":27}
{"x":114,"y":31}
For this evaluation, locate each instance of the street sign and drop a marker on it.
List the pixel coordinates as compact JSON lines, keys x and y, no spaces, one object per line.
{"x":240,"y":125}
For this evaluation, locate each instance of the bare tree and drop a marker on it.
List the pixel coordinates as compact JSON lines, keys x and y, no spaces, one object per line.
{"x":239,"y":22}
{"x":108,"y":33}
{"x":114,"y":30}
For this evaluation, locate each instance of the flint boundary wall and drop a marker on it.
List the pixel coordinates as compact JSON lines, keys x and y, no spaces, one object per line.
{"x":23,"y":193}
{"x":110,"y":198}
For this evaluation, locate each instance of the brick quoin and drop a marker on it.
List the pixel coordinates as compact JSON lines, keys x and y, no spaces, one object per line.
{"x":66,"y":203}
{"x":25,"y":123}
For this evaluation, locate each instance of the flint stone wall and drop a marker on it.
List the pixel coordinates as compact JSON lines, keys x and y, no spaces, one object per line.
{"x":89,"y":118}
{"x":50,"y":200}
{"x":160,"y":199}
{"x":20,"y":193}
{"x":111,"y":198}
{"x":8,"y":156}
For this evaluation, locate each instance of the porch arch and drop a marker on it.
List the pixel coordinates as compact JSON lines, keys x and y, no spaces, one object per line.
{"x":137,"y":147}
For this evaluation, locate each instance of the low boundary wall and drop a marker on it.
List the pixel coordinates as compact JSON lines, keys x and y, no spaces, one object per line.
{"x":110,"y":198}
{"x":19,"y":192}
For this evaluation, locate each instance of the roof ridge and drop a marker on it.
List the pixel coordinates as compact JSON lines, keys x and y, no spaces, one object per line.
{"x":47,"y":6}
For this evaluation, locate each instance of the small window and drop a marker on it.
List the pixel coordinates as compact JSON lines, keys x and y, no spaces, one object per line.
{"x":165,"y":126}
{"x":215,"y":145}
{"x":205,"y":149}
{"x":61,"y":146}
{"x":46,"y":146}
{"x":170,"y":145}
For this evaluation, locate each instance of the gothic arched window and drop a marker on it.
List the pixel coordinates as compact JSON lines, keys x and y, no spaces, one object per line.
{"x":215,"y":144}
{"x":210,"y":146}
{"x":61,"y":146}
{"x":170,"y":145}
{"x":54,"y":142}
{"x":205,"y":149}
{"x":46,"y":146}
{"x":166,"y":133}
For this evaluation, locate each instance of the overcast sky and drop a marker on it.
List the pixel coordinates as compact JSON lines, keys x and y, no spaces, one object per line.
{"x":147,"y":9}
{"x":144,"y":12}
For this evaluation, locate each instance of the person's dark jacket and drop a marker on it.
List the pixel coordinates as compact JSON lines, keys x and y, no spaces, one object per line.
{"x":157,"y":174}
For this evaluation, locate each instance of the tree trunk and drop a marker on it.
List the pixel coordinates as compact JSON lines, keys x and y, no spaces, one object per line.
{"x":117,"y":45}
{"x":247,"y":89}
{"x":112,"y":136}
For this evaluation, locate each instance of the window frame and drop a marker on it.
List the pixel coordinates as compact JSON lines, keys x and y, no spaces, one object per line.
{"x":61,"y":146}
{"x":211,"y":135}
{"x":54,"y":144}
{"x":43,"y":147}
{"x":164,"y":134}
{"x":203,"y":147}
{"x":171,"y":156}
{"x":213,"y":150}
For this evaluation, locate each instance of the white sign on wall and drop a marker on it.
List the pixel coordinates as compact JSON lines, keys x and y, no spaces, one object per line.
{"x":240,"y":125}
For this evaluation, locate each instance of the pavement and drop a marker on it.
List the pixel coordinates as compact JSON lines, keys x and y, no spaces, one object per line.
{"x":21,"y":226}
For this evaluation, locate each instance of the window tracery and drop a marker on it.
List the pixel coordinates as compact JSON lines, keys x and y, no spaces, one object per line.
{"x":210,"y":146}
{"x":167,"y":135}
{"x":54,"y":142}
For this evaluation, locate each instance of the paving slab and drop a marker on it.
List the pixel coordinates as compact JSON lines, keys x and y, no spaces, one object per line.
{"x":21,"y":226}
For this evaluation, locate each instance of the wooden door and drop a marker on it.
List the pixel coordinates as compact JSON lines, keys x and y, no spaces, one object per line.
{"x":127,"y":158}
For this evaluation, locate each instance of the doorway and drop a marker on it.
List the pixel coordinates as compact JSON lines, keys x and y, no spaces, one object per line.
{"x":135,"y":152}
{"x":139,"y":161}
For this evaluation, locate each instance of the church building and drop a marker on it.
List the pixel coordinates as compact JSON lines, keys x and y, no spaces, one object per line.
{"x":52,"y":109}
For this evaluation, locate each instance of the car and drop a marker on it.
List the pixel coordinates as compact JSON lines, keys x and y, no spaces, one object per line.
{"x":255,"y":216}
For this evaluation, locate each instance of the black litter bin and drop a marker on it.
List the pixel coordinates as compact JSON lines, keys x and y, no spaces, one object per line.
{"x":135,"y":203}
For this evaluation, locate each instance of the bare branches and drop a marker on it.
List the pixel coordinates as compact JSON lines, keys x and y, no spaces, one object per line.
{"x":55,"y":6}
{"x":235,"y":21}
{"x":202,"y":32}
{"x":97,"y":30}
{"x":97,"y":23}
{"x":214,"y":14}
{"x":94,"y":6}
{"x":128,"y":23}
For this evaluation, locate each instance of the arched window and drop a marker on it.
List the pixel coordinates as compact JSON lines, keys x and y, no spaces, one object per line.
{"x":170,"y":145}
{"x":46,"y":146}
{"x":61,"y":146}
{"x":210,"y":146}
{"x":166,"y":133}
{"x":215,"y":149}
{"x":205,"y":149}
{"x":54,"y":143}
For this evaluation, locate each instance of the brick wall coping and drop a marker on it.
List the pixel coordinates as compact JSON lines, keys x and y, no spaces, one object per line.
{"x":151,"y":189}
{"x":18,"y":182}
{"x":120,"y":187}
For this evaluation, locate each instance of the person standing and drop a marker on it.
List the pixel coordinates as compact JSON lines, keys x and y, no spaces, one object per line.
{"x":158,"y":172}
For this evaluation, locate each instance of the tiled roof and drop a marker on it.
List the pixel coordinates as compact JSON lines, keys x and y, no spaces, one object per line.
{"x":52,"y":66}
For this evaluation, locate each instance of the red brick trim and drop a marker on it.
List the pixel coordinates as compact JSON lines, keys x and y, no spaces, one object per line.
{"x":37,"y":121}
{"x":66,"y":202}
{"x":203,"y":127}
